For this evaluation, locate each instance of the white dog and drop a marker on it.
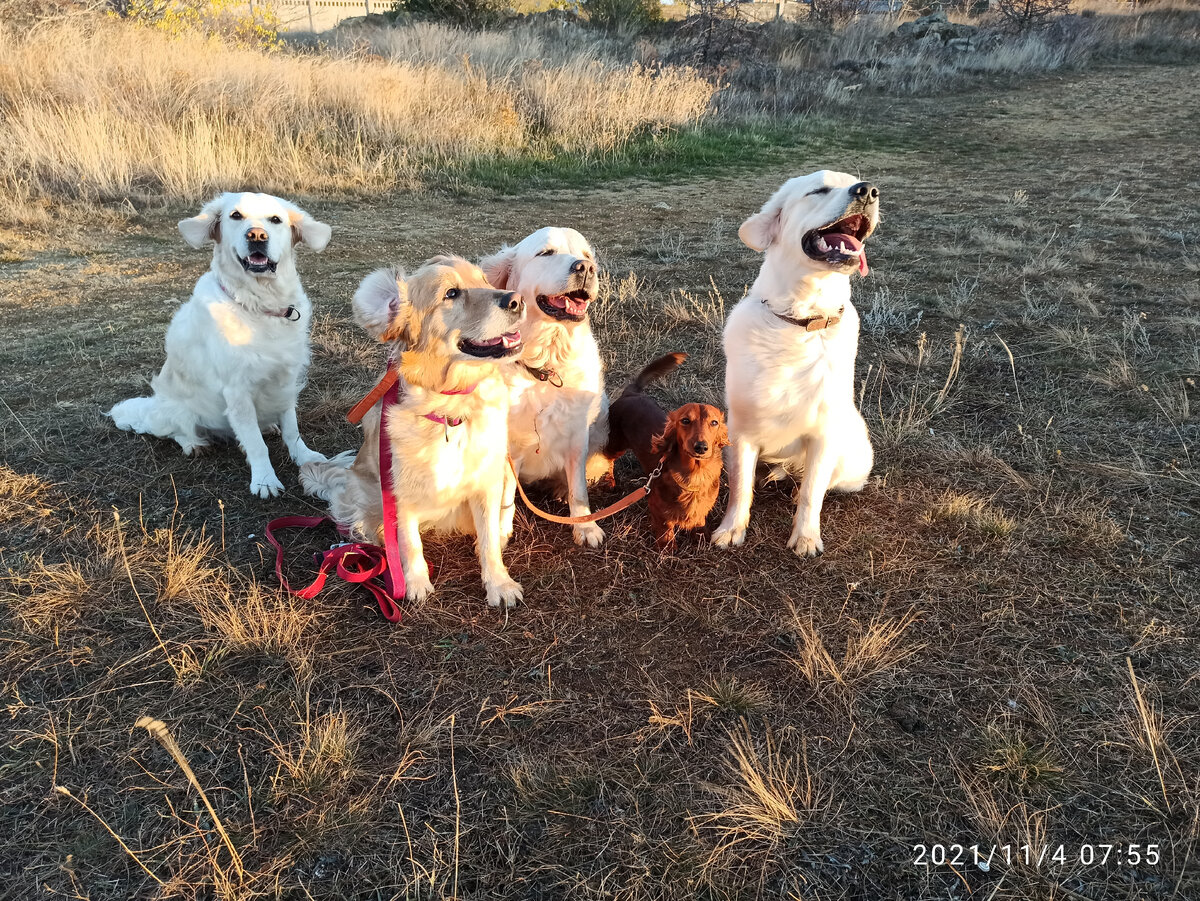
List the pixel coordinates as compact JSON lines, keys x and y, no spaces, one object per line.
{"x":449,"y":330}
{"x":790,"y":346}
{"x":558,"y":420}
{"x":237,"y":351}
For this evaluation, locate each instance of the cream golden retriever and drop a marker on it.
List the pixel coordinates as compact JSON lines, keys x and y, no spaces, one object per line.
{"x":558,"y":419}
{"x":237,"y":351}
{"x":449,"y":330}
{"x":790,"y":346}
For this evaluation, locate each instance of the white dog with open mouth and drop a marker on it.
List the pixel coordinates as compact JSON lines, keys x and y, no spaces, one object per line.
{"x":790,"y":347}
{"x":448,"y":330}
{"x":558,"y":419}
{"x":237,"y":351}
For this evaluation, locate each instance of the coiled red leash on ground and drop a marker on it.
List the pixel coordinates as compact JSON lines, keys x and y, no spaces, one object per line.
{"x":355,"y":562}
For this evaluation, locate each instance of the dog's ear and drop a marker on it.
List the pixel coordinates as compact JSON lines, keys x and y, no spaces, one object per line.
{"x":761,"y":230}
{"x":723,"y":435}
{"x":205,"y":227}
{"x":306,"y":230}
{"x":663,"y":444}
{"x":381,"y":305}
{"x":498,"y":268}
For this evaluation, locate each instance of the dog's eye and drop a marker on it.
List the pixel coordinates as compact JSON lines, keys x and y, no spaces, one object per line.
{"x":713,"y":423}
{"x":275,"y":219}
{"x":686,"y":421}
{"x":548,"y":252}
{"x":452,"y":294}
{"x":235,"y":215}
{"x":819,"y":191}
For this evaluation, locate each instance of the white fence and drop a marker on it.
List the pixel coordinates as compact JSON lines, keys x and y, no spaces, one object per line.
{"x":320,"y":15}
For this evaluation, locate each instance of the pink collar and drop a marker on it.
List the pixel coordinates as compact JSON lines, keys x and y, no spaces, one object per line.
{"x":291,"y":314}
{"x":447,"y":421}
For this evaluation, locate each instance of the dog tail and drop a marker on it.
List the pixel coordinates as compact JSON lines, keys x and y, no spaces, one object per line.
{"x":326,"y":478}
{"x":655,"y":370}
{"x":149,"y":416}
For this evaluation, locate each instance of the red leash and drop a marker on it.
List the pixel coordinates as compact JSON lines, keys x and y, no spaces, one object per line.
{"x":391,"y":538}
{"x":358,"y":562}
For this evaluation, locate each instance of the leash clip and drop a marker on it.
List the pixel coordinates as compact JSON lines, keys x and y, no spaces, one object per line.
{"x":291,"y":314}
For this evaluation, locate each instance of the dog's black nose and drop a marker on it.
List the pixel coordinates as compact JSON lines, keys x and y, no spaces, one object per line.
{"x":702,"y":447}
{"x":257,"y":236}
{"x":580,"y":267}
{"x":864,"y":191}
{"x":511,"y":301}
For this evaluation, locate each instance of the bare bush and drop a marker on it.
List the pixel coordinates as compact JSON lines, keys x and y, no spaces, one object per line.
{"x":1030,"y":15}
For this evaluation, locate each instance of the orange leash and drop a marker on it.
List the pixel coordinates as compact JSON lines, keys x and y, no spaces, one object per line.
{"x":627,"y":501}
{"x":359,"y":410}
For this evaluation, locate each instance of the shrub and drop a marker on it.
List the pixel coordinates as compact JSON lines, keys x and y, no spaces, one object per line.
{"x":1030,"y":15}
{"x":238,"y":20}
{"x":622,"y":14}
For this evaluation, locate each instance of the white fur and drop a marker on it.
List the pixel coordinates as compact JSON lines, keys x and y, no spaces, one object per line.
{"x":790,"y":391}
{"x":231,"y":368}
{"x":553,"y":432}
{"x":444,"y":478}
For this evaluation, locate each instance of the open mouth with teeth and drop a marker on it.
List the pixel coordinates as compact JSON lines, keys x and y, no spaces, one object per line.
{"x":571,"y":307}
{"x":840,"y":244}
{"x":501,"y":346}
{"x":257,"y":262}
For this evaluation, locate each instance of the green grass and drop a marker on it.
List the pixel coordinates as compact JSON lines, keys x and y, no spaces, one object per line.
{"x":664,"y":156}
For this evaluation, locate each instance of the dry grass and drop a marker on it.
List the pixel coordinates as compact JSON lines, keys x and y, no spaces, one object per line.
{"x":870,"y":649}
{"x":126,"y":112}
{"x":769,"y":795}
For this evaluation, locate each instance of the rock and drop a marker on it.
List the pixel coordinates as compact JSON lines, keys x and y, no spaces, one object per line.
{"x":918,"y":28}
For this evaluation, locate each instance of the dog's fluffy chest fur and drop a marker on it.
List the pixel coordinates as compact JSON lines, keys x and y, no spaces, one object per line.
{"x":438,"y":465}
{"x":215,"y":334}
{"x":543,"y":419}
{"x":776,"y":366}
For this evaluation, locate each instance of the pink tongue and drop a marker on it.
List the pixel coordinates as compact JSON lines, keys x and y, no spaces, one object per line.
{"x":849,"y":242}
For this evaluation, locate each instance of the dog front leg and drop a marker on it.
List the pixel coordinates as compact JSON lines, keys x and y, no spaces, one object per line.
{"x":243,"y":420}
{"x":508,"y":506}
{"x":743,"y":457}
{"x":500,"y":588}
{"x":300,"y":451}
{"x":417,"y":584}
{"x":820,"y":460}
{"x":577,"y":496}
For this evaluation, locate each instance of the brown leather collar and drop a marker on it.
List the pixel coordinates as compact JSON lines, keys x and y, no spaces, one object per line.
{"x":812,"y":323}
{"x":544,"y":375}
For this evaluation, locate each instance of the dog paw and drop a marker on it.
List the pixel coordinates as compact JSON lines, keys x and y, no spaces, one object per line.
{"x":193,"y":448}
{"x":589,"y":534}
{"x":504,"y":593}
{"x":266,"y":485}
{"x":729,"y":536}
{"x":417,"y":588}
{"x":310,"y":456}
{"x":805,"y":544}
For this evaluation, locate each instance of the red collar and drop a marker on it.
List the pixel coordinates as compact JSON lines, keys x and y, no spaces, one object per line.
{"x":390,"y":377}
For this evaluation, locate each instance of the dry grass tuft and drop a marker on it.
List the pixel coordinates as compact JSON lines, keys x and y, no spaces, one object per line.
{"x":22,"y":496}
{"x":256,"y":620}
{"x":956,"y":507}
{"x":870,"y":650}
{"x":769,"y":795}
{"x":324,"y":755}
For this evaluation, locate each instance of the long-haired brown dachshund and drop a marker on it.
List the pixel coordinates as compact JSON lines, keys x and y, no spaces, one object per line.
{"x":687,"y":442}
